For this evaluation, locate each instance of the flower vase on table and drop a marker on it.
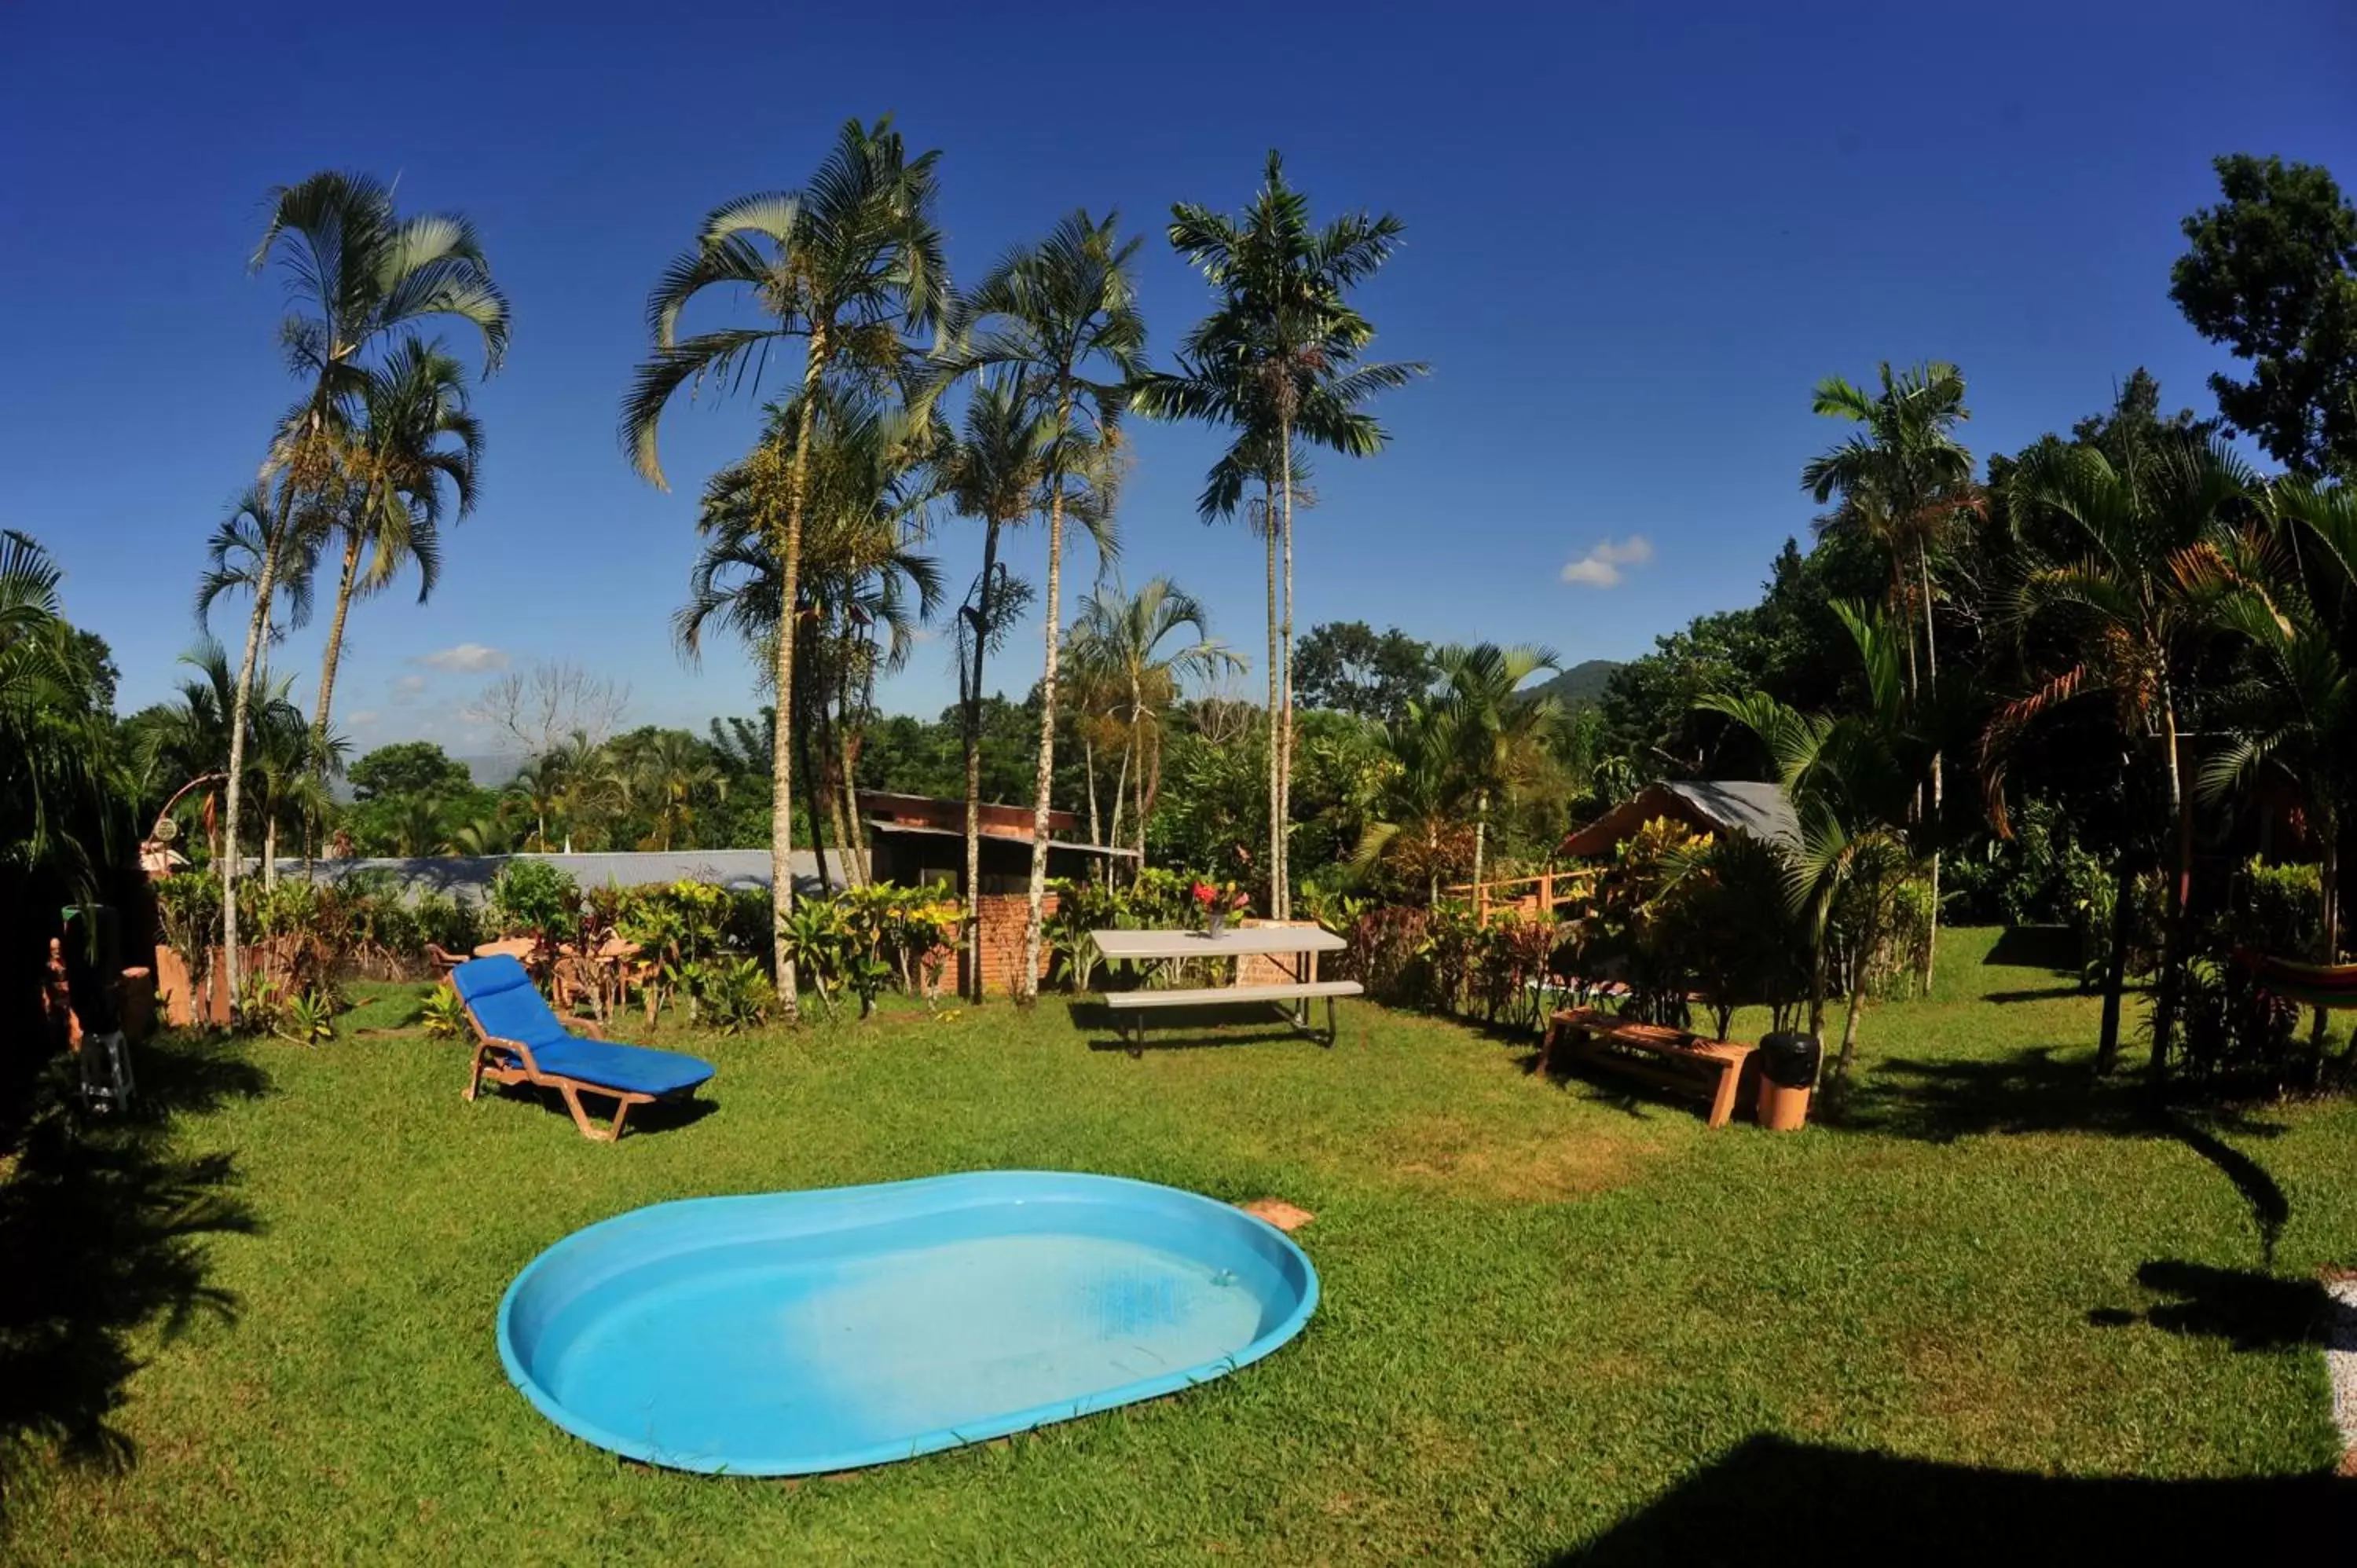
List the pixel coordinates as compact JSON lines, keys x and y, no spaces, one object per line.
{"x":1219,"y":904}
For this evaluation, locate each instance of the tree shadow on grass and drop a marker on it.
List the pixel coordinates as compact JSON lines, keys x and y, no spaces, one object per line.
{"x":103,"y":1230}
{"x":2035,"y":1091}
{"x":2250,"y":1309}
{"x":1772,"y":1501}
{"x":1187,"y":1032}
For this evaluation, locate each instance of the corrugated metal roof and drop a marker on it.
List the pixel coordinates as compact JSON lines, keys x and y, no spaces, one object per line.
{"x":470,"y":876}
{"x":1759,"y":811}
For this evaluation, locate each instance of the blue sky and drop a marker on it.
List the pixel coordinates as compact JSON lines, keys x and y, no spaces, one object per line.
{"x":1637,"y":235}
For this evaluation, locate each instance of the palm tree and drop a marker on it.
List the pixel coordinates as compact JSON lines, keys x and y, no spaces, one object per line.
{"x":1061,"y":315}
{"x":993,"y":473}
{"x":1279,"y":357}
{"x":2300,"y":722}
{"x":1416,"y":821}
{"x":847,"y":266}
{"x":396,"y":468}
{"x":357,"y":273}
{"x":62,"y":789}
{"x":2129,"y":620}
{"x":1146,"y":646}
{"x":237,"y":553}
{"x":1903,"y":479}
{"x":864,"y":584}
{"x":1848,"y":777}
{"x":1498,"y":733}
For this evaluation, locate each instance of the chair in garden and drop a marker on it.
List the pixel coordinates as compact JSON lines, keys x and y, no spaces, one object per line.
{"x":521,"y":1040}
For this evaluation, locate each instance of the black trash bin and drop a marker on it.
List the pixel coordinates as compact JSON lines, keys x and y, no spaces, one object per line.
{"x":1787,"y":1072}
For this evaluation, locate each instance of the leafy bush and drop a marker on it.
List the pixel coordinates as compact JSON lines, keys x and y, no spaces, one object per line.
{"x":534,"y":898}
{"x":444,"y":1015}
{"x":2277,"y":909}
{"x":451,"y":924}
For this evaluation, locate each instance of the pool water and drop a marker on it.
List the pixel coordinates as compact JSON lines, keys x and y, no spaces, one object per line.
{"x":790,"y":1333}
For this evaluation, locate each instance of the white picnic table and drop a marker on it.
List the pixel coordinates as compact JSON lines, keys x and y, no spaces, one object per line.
{"x":1302,"y":944}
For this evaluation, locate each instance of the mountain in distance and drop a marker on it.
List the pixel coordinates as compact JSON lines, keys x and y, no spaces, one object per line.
{"x":1581,"y":686}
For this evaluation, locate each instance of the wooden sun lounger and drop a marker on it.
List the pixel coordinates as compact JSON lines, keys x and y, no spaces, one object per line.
{"x":1685,"y":1064}
{"x":519,"y":1040}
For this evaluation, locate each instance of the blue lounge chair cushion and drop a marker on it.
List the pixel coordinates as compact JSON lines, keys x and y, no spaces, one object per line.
{"x":507,"y":1006}
{"x":636,"y":1069}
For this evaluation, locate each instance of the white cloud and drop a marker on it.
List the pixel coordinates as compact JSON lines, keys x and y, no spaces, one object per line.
{"x":1601,"y":568}
{"x":471,"y":657}
{"x":409,"y":688}
{"x":361,"y":720}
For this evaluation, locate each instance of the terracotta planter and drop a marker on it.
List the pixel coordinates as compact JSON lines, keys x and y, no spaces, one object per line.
{"x":136,"y":1001}
{"x":1783,"y":1108}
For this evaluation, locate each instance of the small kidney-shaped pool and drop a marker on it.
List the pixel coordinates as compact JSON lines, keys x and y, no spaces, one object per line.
{"x":785,"y":1334}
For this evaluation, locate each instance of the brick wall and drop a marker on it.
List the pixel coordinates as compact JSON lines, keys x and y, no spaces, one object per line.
{"x":1004,"y":915}
{"x":1261,"y":969}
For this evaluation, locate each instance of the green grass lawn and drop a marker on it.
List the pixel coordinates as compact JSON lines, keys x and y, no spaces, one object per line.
{"x":1555,"y":1316}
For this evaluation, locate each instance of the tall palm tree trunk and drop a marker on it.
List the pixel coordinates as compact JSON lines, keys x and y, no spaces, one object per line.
{"x":813,"y":801}
{"x":1284,"y":910}
{"x":856,"y":830}
{"x":1930,"y":678}
{"x":1121,"y":787}
{"x":256,"y":625}
{"x":1089,"y":772}
{"x":974,"y":765}
{"x":1027,"y":985}
{"x":1480,"y":834}
{"x":2115,"y":964}
{"x":1275,"y":701}
{"x":2172,"y":955}
{"x":782,"y":751}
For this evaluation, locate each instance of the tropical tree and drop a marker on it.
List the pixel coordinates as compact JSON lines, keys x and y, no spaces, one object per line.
{"x":1498,"y":734}
{"x":1145,"y":647}
{"x":1277,"y":360}
{"x":237,"y":553}
{"x":415,"y":436}
{"x":865,"y":587}
{"x":846,"y":266}
{"x":1062,"y":316}
{"x":1903,"y":479}
{"x":2298,"y":721}
{"x":2128,"y":618}
{"x":1849,"y":778}
{"x":1415,"y":827}
{"x":357,"y":273}
{"x":993,"y":473}
{"x":62,"y":790}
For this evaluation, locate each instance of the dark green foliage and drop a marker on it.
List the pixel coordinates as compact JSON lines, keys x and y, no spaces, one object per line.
{"x":407,"y":768}
{"x":2271,"y":273}
{"x":1348,"y":667}
{"x":534,"y":898}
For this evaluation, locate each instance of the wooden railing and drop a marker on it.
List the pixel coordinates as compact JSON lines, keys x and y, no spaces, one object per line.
{"x":1543,"y":893}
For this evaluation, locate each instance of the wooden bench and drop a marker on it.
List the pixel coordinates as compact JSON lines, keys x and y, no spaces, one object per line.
{"x":1711,"y":1069}
{"x":1139,"y":1003}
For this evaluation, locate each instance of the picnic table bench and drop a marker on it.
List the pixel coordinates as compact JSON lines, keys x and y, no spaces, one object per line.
{"x":1685,"y":1063}
{"x":1173,"y":950}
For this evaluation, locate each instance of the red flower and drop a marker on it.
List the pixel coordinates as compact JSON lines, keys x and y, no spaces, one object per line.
{"x":1203,"y":893}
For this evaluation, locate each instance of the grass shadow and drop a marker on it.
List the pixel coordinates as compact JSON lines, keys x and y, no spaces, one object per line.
{"x":2250,"y":1309}
{"x":1772,"y":1501}
{"x":2054,"y":947}
{"x":104,"y":1223}
{"x":655,"y":1116}
{"x":1095,"y":1018}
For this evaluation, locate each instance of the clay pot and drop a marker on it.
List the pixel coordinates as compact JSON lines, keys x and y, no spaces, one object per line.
{"x":135,"y":1003}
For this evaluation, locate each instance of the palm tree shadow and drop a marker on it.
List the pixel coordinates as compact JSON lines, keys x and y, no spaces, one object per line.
{"x":1772,"y":1501}
{"x":103,"y":1224}
{"x":2250,"y":1309}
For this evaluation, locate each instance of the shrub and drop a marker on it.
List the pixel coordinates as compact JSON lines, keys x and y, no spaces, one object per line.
{"x":534,"y":898}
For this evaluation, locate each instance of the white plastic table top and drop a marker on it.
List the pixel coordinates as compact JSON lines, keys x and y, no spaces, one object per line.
{"x":1235,"y":941}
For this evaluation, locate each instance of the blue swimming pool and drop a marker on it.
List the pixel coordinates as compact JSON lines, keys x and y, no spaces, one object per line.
{"x":785,"y":1334}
